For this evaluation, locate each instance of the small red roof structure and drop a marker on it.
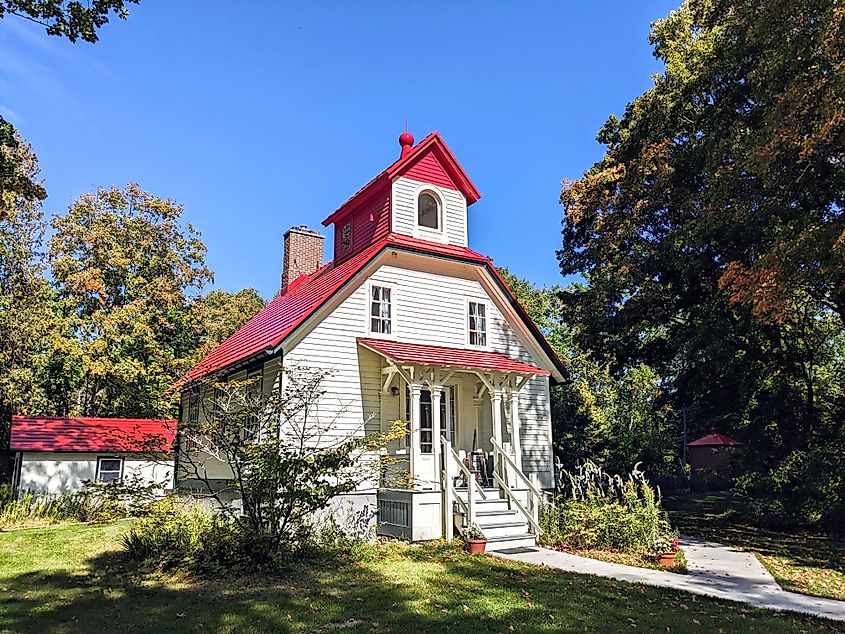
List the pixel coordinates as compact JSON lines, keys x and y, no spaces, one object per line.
{"x":714,"y":439}
{"x":432,"y":145}
{"x":86,"y":434}
{"x":272,"y":325}
{"x":448,"y":357}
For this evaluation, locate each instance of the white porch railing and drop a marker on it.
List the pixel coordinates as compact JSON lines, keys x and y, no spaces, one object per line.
{"x":501,"y":459}
{"x":452,"y":467}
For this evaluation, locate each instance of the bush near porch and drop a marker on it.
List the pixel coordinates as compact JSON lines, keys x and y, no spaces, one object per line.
{"x":608,"y":517}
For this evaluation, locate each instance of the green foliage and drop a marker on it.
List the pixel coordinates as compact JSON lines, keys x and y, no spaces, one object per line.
{"x":615,"y":419}
{"x":28,"y":319}
{"x":73,"y":20}
{"x":217,"y":315}
{"x":605,"y":512}
{"x":36,"y":510}
{"x":710,"y":237}
{"x":472,"y":532}
{"x":175,"y":535}
{"x":126,"y":271}
{"x":281,"y":475}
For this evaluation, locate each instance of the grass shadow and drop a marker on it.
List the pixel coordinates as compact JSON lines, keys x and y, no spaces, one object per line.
{"x":399,"y":588}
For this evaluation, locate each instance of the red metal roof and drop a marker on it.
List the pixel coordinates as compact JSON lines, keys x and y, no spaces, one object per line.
{"x":129,"y":435}
{"x":714,"y":439}
{"x":287,"y":311}
{"x":448,"y":357}
{"x":433,"y":142}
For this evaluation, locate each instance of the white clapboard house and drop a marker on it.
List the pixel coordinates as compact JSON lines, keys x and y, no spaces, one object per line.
{"x":415,"y":326}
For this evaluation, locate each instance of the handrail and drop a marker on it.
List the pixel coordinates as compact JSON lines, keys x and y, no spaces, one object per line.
{"x":516,"y":469}
{"x":528,"y":515}
{"x":471,"y":481}
{"x":534,"y":506}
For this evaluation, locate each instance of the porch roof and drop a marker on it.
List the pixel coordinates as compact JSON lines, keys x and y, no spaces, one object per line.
{"x":419,"y":354}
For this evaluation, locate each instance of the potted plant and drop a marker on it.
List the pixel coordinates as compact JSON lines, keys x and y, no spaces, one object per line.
{"x":666,"y":546}
{"x":475,"y":540}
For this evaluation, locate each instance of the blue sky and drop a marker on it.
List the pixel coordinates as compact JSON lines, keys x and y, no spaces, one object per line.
{"x":263,"y":115}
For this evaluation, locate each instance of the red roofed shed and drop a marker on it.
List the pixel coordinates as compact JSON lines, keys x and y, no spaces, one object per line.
{"x":56,"y":455}
{"x":709,"y":457}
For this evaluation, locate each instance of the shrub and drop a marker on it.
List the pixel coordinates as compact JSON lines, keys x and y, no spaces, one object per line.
{"x":174,"y":534}
{"x":31,"y":509}
{"x":604,"y":512}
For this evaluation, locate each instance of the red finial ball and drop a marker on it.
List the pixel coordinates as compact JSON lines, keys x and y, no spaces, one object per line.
{"x":406,"y":139}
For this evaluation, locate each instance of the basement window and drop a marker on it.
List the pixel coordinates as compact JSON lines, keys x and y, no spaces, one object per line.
{"x":380,"y":312}
{"x":109,"y":469}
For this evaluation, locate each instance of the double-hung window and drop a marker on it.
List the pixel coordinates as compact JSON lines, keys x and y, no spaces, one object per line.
{"x":109,"y":469}
{"x":477,"y":324}
{"x":381,"y":313}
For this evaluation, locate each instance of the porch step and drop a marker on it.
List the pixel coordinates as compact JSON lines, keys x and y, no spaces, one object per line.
{"x":499,"y":530}
{"x":495,"y":513}
{"x":506,"y":542}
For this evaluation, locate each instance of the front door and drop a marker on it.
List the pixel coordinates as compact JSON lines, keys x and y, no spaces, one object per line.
{"x":448,"y":424}
{"x":447,"y":417}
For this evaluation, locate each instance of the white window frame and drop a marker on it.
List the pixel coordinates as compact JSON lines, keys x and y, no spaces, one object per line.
{"x":369,"y":308}
{"x":486,"y":304}
{"x":100,"y":460}
{"x":427,"y":233}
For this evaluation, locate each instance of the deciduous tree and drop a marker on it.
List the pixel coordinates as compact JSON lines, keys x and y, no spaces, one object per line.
{"x":711,"y":235}
{"x":126,"y":270}
{"x":68,"y":18}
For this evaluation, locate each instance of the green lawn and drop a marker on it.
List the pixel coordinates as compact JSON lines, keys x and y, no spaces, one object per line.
{"x":74,"y":579}
{"x":800,"y":562}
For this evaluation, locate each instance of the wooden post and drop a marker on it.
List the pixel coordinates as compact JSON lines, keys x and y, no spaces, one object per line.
{"x":496,"y":401}
{"x":436,"y":396}
{"x":517,"y":447}
{"x":415,"y":453}
{"x":448,"y":476}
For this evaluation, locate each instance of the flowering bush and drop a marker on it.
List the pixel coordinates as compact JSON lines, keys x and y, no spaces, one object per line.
{"x":604,"y":512}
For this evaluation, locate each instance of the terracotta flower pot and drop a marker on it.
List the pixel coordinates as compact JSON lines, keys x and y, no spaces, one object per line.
{"x":667,"y":560}
{"x":476,"y":546}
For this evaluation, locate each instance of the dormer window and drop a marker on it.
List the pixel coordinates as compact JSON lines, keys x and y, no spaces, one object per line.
{"x":428,"y":211}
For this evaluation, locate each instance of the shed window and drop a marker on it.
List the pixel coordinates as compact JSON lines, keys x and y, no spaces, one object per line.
{"x":109,"y":469}
{"x":477,"y":324}
{"x":380,"y":312}
{"x":428,"y":211}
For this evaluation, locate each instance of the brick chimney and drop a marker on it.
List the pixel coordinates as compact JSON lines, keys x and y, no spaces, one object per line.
{"x":303,"y":253}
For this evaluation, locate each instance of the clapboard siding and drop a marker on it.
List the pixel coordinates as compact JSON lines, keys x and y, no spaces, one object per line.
{"x":370,"y":223}
{"x":429,"y":169}
{"x":428,"y":308}
{"x":405,"y":192}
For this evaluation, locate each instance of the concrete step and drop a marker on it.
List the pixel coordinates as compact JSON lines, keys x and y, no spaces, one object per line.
{"x":506,"y":542}
{"x":502,"y":529}
{"x":496,"y":513}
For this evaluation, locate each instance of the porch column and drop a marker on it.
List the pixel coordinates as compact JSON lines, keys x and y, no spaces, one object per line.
{"x":517,"y":447}
{"x":415,"y":431}
{"x":496,"y":401}
{"x":436,"y":396}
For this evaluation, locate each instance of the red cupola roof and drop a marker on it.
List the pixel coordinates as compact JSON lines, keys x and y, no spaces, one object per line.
{"x":430,"y":160}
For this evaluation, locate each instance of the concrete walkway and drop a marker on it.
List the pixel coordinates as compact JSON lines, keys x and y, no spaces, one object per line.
{"x":714,"y":570}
